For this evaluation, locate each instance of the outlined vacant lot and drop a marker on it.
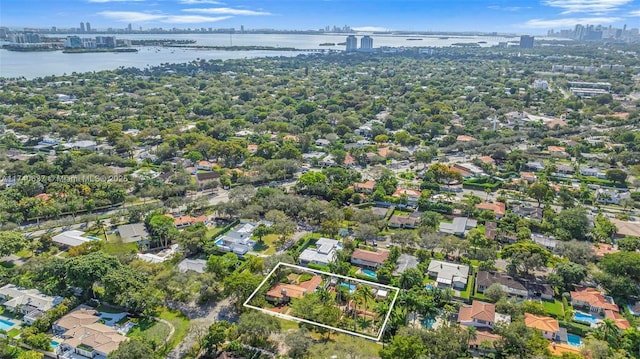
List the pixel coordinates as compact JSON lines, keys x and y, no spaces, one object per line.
{"x":278,"y":288}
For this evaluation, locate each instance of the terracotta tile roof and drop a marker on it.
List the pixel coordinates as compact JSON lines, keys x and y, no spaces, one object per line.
{"x":348,"y":159}
{"x":462,"y":172}
{"x":593,"y":297}
{"x":464,"y":138}
{"x":487,"y":160}
{"x":558,"y":349}
{"x":186,"y":219}
{"x":365,"y":185}
{"x":291,"y":138}
{"x":555,"y":149}
{"x":484,"y":335}
{"x":252,"y":148}
{"x":527,"y":175}
{"x":496,"y":207}
{"x":43,"y":196}
{"x":385,"y":151}
{"x":295,"y":291}
{"x":556,"y":122}
{"x":477,"y":310}
{"x":602,"y":248}
{"x":546,"y":324}
{"x":379,"y":256}
{"x":97,"y":336}
{"x":490,"y":230}
{"x":620,"y":321}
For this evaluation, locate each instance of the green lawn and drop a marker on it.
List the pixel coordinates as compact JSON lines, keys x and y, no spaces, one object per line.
{"x":25,"y":253}
{"x":467,"y":291}
{"x":362,"y":347}
{"x":115,"y":247}
{"x":268,"y":245}
{"x":13,"y":333}
{"x":150,"y":330}
{"x":287,"y":325}
{"x":554,"y":308}
{"x":180,"y":323}
{"x":108,"y":309}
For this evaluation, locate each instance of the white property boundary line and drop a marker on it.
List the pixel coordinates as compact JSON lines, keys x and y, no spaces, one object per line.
{"x":296,"y":319}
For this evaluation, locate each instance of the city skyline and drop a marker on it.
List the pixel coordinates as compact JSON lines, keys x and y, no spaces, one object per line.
{"x":525,"y":16}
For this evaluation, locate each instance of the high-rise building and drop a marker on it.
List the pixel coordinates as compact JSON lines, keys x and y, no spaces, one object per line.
{"x":526,"y":42}
{"x":129,"y":28}
{"x":82,"y":29}
{"x":366,"y":43}
{"x":352,"y":43}
{"x":88,"y":27}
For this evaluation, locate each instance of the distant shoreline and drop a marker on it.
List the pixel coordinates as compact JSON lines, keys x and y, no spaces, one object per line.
{"x":84,"y":51}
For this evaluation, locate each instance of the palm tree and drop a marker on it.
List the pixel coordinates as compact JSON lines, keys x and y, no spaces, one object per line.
{"x":364,"y":293}
{"x":607,"y":331}
{"x":472,"y":334}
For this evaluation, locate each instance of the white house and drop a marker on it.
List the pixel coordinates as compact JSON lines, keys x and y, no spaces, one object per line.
{"x":323,"y":254}
{"x":449,"y":274}
{"x":608,"y":196}
{"x":29,"y":302}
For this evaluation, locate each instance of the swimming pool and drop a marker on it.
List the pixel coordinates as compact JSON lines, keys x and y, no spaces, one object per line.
{"x":584,"y":317}
{"x":428,"y":286}
{"x":54,"y":346}
{"x":6,"y":324}
{"x":218,"y":241}
{"x":93,"y":238}
{"x":427,"y":322}
{"x":370,"y":273}
{"x":351,"y":287}
{"x":574,"y":340}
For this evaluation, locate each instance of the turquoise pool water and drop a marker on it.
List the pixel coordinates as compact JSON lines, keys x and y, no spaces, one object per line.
{"x":574,"y":340}
{"x":351,"y":287}
{"x":93,"y":238}
{"x":54,"y":345}
{"x":428,"y":286}
{"x":6,"y":324}
{"x":370,"y":273}
{"x":218,"y":241}
{"x":427,"y":322}
{"x":584,"y":317}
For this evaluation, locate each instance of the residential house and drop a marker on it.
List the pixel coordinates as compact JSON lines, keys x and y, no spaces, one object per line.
{"x":602,"y":249}
{"x":28,"y":302}
{"x":534,"y":166}
{"x":512,"y":287}
{"x":411,"y":194}
{"x":80,"y":316}
{"x":205,"y":178}
{"x":204,"y":165}
{"x":135,"y":232}
{"x":282,"y":292}
{"x":321,"y":142}
{"x":565,"y":169}
{"x":405,"y":261}
{"x":483,"y":336}
{"x":465,"y":138}
{"x":184,"y":221}
{"x":608,"y":196}
{"x":528,"y":212}
{"x":252,"y":148}
{"x":349,"y":160}
{"x":549,"y":327}
{"x":487,"y":160}
{"x":369,"y":259}
{"x":238,"y":240}
{"x":592,"y":172}
{"x":557,"y":151}
{"x":464,"y":173}
{"x":626,"y":228}
{"x":498,"y":208}
{"x":92,"y":340}
{"x":196,"y":265}
{"x":323,"y":253}
{"x":449,"y":275}
{"x":621,"y":322}
{"x":470,"y":167}
{"x":364,"y":187}
{"x":593,"y":300}
{"x":549,"y":242}
{"x":481,"y":315}
{"x":490,"y":230}
{"x":528,"y":176}
{"x":71,"y":238}
{"x":403,"y":222}
{"x":459,"y":227}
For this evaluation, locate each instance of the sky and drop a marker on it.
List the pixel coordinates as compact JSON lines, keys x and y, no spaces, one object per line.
{"x":515,"y":16}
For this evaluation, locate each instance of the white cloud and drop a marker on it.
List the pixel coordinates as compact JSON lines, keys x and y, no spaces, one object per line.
{"x":508,"y":8}
{"x":134,"y":16}
{"x":635,"y":13}
{"x":196,"y":2}
{"x":193,"y":19}
{"x":587,"y":6}
{"x":370,"y":29}
{"x":227,"y":11}
{"x":569,"y":22}
{"x":106,"y":1}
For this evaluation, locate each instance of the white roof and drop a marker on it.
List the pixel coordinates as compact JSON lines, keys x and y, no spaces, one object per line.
{"x":70,"y":238}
